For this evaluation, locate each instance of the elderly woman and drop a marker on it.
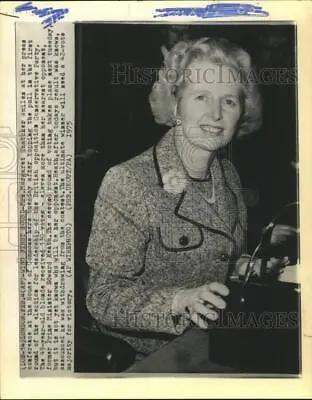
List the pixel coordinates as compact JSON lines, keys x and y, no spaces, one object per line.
{"x":169,"y":225}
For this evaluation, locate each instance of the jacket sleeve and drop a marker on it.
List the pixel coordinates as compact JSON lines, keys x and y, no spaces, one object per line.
{"x":117,"y":295}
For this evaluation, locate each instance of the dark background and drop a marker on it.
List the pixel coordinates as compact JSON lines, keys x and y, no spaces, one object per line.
{"x":114,"y":122}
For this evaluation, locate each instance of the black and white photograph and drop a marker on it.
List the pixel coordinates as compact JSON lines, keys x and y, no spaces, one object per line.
{"x":186,"y":199}
{"x":155,"y":199}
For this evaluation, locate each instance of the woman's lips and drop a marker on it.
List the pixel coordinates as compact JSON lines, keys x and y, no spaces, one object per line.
{"x":214,"y":130}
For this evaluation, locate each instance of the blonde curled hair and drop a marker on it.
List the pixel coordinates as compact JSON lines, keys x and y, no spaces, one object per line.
{"x":171,"y":76}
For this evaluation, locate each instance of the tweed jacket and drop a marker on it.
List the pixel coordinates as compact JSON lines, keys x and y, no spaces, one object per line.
{"x":147,"y":243}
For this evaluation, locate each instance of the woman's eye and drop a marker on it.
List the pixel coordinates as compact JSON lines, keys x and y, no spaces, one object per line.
{"x":230,"y":102}
{"x":201,"y":97}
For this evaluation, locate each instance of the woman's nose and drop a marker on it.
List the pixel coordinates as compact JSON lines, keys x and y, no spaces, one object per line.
{"x":215,"y":111}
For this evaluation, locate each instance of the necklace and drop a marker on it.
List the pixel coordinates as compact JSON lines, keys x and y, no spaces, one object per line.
{"x":206,"y":179}
{"x":212,"y":198}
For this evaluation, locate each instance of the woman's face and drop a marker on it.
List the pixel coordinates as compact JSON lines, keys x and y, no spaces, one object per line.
{"x":209,"y":107}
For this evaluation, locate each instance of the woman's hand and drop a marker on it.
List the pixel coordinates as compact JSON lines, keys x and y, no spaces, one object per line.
{"x":201,"y":303}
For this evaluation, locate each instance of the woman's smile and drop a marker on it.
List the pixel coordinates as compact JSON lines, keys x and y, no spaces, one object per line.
{"x":212,"y":130}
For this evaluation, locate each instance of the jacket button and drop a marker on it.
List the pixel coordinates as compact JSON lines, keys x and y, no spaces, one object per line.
{"x":184,"y":241}
{"x":224,"y":257}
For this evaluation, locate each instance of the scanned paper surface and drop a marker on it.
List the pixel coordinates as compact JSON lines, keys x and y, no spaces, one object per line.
{"x":45,"y":124}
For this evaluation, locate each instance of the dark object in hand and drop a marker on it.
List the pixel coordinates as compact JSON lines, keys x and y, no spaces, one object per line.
{"x":259,"y":330}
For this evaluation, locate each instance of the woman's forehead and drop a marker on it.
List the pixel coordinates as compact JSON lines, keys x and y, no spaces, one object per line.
{"x":205,"y":75}
{"x":216,"y":87}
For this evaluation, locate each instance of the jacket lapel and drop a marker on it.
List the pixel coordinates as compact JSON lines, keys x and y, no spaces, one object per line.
{"x":191,"y":203}
{"x":196,"y":207}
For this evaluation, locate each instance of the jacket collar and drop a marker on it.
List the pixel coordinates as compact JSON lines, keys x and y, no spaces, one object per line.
{"x":191,"y":204}
{"x":166,"y":158}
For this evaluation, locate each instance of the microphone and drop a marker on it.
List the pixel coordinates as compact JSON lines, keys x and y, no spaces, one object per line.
{"x":264,"y":246}
{"x":262,"y":249}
